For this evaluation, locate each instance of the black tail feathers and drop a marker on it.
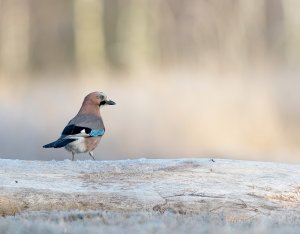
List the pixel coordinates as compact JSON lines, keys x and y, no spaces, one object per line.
{"x":59,"y":143}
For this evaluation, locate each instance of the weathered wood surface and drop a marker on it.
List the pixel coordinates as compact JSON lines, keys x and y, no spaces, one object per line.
{"x":239,"y":190}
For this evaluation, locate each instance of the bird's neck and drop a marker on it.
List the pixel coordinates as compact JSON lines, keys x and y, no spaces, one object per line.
{"x":90,"y":109}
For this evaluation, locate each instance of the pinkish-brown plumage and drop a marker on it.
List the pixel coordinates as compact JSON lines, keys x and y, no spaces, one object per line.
{"x":91,"y":104}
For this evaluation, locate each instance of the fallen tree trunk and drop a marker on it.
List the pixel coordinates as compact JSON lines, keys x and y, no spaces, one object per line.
{"x":239,"y":190}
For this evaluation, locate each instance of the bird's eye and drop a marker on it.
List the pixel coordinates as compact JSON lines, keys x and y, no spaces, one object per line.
{"x":101,"y":97}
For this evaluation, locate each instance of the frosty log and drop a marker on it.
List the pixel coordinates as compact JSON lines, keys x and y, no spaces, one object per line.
{"x":239,"y":190}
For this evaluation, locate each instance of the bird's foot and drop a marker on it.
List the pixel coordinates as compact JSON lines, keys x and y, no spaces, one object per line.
{"x":92,"y":155}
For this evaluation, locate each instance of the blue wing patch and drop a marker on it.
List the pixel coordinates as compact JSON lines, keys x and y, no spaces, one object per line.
{"x":99,"y":132}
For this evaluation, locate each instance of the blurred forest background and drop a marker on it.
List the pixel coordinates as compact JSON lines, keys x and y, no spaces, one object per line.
{"x":191,"y":78}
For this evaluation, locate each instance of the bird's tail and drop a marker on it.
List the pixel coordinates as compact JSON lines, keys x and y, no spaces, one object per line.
{"x":59,"y":143}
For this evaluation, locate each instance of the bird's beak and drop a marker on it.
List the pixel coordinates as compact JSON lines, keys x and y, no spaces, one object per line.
{"x":110,"y":102}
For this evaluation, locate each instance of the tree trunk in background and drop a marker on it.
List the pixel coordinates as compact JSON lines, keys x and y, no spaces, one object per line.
{"x":292,"y":26}
{"x":14,"y":36}
{"x":115,"y":24}
{"x":251,"y":13}
{"x":52,"y":35}
{"x":275,"y":33}
{"x":88,"y":26}
{"x":140,"y":45}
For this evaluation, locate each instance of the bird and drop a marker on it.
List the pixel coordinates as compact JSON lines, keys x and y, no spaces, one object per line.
{"x":84,"y":132}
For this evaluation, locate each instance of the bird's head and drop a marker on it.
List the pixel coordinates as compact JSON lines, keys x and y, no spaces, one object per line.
{"x":98,"y":99}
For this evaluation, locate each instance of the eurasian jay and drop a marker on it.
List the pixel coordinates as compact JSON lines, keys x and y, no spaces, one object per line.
{"x":83,"y":133}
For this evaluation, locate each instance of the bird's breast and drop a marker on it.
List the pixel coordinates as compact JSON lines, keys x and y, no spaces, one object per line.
{"x":92,"y":142}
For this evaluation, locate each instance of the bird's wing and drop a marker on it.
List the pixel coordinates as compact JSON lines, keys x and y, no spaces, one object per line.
{"x":84,"y":126}
{"x":89,"y":121}
{"x":72,"y":131}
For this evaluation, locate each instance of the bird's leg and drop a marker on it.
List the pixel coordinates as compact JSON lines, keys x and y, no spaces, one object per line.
{"x":73,"y":156}
{"x":91,"y":154}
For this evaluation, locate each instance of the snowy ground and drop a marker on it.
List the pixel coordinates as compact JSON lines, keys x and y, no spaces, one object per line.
{"x":149,"y":196}
{"x":77,"y":222}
